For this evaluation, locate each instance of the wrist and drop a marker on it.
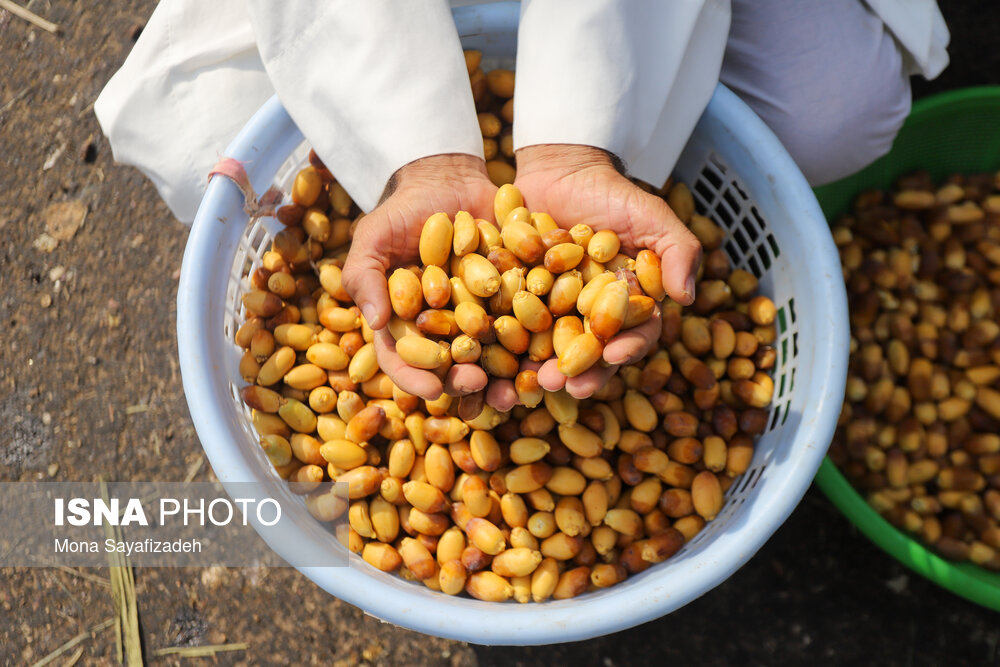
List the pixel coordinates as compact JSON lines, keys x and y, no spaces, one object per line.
{"x":557,"y":160}
{"x":447,"y":167}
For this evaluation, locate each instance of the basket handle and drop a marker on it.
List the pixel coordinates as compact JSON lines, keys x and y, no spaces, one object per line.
{"x":233,"y":169}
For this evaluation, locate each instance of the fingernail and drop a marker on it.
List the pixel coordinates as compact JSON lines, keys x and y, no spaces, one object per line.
{"x":689,"y":287}
{"x":368,"y":310}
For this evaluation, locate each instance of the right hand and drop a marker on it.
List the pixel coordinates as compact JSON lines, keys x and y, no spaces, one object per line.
{"x":389,"y":237}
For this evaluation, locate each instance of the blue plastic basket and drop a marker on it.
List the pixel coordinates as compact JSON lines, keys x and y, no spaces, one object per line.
{"x":741,"y":177}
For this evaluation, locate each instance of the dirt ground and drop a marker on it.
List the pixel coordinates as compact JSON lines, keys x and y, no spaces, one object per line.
{"x":90,"y":386}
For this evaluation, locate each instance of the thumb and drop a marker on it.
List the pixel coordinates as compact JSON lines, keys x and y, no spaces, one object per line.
{"x":679,"y":262}
{"x":364,"y":279}
{"x":659,"y":229}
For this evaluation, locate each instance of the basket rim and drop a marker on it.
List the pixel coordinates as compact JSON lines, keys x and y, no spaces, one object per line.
{"x":966,"y":580}
{"x":618,"y":608}
{"x":950,"y":98}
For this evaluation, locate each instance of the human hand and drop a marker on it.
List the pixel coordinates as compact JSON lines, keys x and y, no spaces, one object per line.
{"x":389,"y":237}
{"x":501,"y":393}
{"x":579,"y":184}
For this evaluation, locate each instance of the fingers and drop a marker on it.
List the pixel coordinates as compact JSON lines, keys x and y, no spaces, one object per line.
{"x":365,"y":281}
{"x":581,"y":386}
{"x":586,"y":383}
{"x":464,"y":379}
{"x":633,"y":344}
{"x":625,"y":348}
{"x":549,"y":376}
{"x":500,"y":395}
{"x":412,"y":380}
{"x":658,"y":228}
{"x":529,"y":365}
{"x":679,"y":266}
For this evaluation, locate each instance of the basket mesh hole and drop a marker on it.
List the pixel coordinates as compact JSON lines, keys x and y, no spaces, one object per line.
{"x":731,"y":250}
{"x":713,"y":179}
{"x":725,"y":217}
{"x":731,"y":200}
{"x":739,"y":189}
{"x":741,"y":240}
{"x":703,"y":188}
{"x":774,"y":245}
{"x":764,"y":257}
{"x":749,"y":479}
{"x":775,"y":416}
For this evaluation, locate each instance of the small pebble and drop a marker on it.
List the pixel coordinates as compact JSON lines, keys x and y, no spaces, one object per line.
{"x":46,"y":300}
{"x":53,"y":469}
{"x":45,"y":243}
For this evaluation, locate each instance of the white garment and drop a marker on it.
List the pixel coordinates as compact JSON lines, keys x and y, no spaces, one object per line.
{"x":835,"y":109}
{"x":377,"y":84}
{"x":629,"y":77}
{"x":920,"y":29}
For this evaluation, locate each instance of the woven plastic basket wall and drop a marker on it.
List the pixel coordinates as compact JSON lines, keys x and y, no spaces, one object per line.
{"x":741,"y":177}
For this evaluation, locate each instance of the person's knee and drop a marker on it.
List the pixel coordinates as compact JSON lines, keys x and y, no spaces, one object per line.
{"x":848,"y":120}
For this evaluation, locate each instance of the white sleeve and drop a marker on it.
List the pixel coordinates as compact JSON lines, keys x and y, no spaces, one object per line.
{"x":190,"y":83}
{"x":920,"y":29}
{"x":629,"y":77}
{"x":373,"y":85}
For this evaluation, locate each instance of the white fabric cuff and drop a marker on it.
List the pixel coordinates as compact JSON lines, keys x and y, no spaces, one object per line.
{"x":615,"y":75}
{"x":921,"y":30}
{"x":189,"y":85}
{"x":367,"y":105}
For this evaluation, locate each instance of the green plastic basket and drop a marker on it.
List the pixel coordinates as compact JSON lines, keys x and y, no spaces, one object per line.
{"x":953,"y":132}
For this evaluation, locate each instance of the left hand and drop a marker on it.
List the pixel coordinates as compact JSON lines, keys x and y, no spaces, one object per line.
{"x":579,"y":184}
